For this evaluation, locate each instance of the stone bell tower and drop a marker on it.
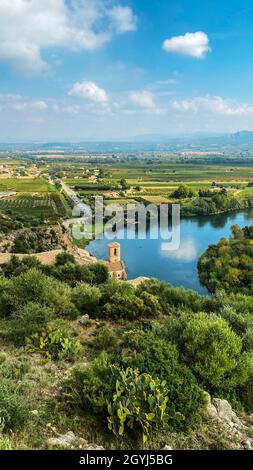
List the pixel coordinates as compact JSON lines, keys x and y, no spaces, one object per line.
{"x":114,"y":252}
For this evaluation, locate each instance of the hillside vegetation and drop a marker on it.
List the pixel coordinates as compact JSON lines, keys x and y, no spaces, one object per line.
{"x":118,"y":366}
{"x":229,"y":264}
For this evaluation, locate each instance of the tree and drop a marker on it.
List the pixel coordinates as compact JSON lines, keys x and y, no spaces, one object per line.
{"x":124,"y":184}
{"x":86,"y":298}
{"x":64,"y":258}
{"x":35,"y":286}
{"x":213,"y":351}
{"x":181,"y":192}
{"x":28,"y":320}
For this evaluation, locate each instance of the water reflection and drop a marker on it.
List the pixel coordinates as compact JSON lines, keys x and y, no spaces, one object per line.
{"x":145,"y":258}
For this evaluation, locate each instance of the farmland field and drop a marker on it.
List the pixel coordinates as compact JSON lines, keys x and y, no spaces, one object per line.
{"x":33,"y":206}
{"x":26,"y":185}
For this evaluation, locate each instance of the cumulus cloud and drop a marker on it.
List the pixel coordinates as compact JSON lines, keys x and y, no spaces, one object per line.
{"x":89,"y":91}
{"x":14,"y":102}
{"x":40,"y":105}
{"x":213,"y":104}
{"x":191,"y":44}
{"x":143,"y":99}
{"x":28,"y":27}
{"x":123,"y":18}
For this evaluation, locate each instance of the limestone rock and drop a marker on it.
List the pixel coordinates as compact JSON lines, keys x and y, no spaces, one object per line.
{"x":63,"y":440}
{"x":84,"y":320}
{"x":224,"y":410}
{"x":69,"y":440}
{"x":92,"y":447}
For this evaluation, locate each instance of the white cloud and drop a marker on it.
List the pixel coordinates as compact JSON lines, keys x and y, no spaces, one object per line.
{"x":123,"y":18}
{"x":40,"y":105}
{"x":12,"y":102}
{"x":191,"y":44}
{"x":28,"y":27}
{"x":214,"y":104}
{"x":89,"y":91}
{"x":144,"y":99}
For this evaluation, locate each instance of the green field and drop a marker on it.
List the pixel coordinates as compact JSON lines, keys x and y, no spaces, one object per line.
{"x":26,"y":185}
{"x":33,"y":206}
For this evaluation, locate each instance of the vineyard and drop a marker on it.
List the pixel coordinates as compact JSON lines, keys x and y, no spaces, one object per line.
{"x":44,"y":205}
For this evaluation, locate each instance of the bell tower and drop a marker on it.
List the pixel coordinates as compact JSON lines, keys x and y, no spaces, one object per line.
{"x":114,"y":252}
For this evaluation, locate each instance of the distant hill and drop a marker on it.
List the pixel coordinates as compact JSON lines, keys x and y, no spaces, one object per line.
{"x":243,"y":137}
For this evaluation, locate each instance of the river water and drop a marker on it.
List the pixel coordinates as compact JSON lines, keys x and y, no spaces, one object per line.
{"x":145,"y":257}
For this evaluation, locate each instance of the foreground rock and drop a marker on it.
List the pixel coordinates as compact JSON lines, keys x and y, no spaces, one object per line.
{"x":70,"y":441}
{"x":237,"y":428}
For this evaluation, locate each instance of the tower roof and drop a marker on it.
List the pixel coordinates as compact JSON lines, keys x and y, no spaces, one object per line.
{"x":114,"y":245}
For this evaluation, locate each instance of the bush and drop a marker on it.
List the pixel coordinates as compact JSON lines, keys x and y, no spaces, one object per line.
{"x":28,"y":320}
{"x":5,"y":442}
{"x":35,"y":286}
{"x":173,"y":298}
{"x":105,"y":339}
{"x":54,"y":344}
{"x":99,"y":272}
{"x":13,"y":410}
{"x":89,"y":388}
{"x":120,"y":300}
{"x":125,"y":399}
{"x":213,"y":352}
{"x":86,"y":298}
{"x":16,"y":266}
{"x":160,"y":358}
{"x":138,"y":403}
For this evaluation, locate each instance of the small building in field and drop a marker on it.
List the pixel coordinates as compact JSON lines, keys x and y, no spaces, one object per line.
{"x":114,"y":264}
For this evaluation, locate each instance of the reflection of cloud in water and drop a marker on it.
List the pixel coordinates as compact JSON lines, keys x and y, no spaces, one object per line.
{"x":186,"y":252}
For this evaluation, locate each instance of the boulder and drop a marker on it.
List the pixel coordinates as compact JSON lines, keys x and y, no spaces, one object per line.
{"x":69,"y":440}
{"x":84,"y":320}
{"x":225,"y":411}
{"x":63,"y":440}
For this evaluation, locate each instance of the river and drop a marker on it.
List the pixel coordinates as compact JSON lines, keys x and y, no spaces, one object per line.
{"x":145,"y":257}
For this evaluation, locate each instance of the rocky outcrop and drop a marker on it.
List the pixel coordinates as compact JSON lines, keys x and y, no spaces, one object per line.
{"x":236,"y":427}
{"x":70,"y":441}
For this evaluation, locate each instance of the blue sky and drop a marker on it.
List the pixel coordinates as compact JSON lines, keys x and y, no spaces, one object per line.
{"x":101,"y":69}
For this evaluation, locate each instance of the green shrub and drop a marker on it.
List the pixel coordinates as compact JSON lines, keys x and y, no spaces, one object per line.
{"x":54,"y":344}
{"x":86,"y":298}
{"x":139,"y":403}
{"x":99,"y":273}
{"x":213,"y":351}
{"x":13,"y":410}
{"x":105,"y":339}
{"x":28,"y":320}
{"x":5,"y":443}
{"x":247,"y":394}
{"x":89,"y":388}
{"x":247,"y":340}
{"x":3,"y":357}
{"x":172,"y":298}
{"x":160,"y":358}
{"x":119,"y":300}
{"x":34,"y":286}
{"x":124,"y":399}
